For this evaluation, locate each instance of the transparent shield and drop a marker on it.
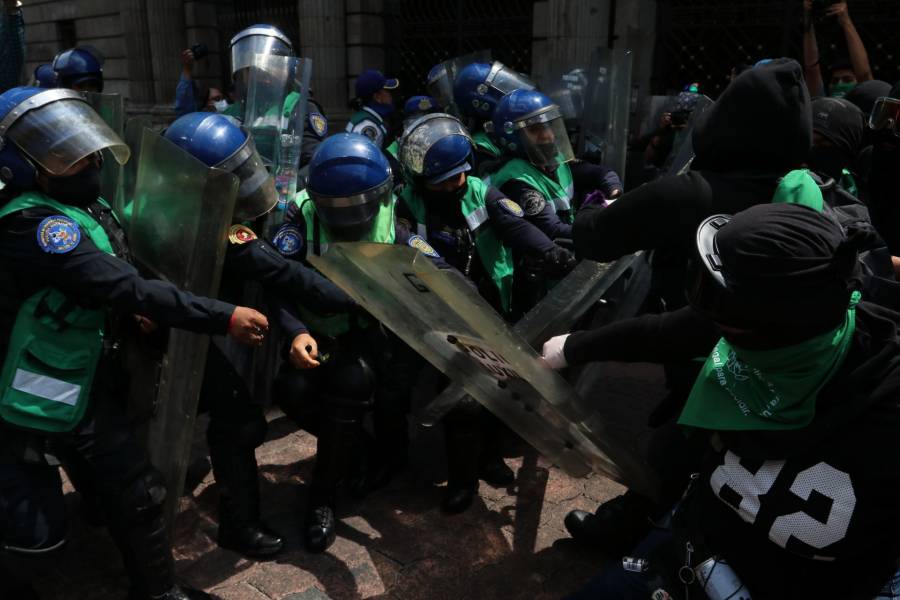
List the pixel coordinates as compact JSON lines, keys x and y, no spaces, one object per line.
{"x":679,"y":159}
{"x":134,"y":134}
{"x":111,"y":108}
{"x":180,"y":217}
{"x":440,"y":316}
{"x":268,"y":83}
{"x":567,"y":85}
{"x":605,"y":125}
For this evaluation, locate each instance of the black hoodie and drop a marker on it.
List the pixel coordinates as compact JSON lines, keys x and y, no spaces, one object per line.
{"x":760,"y":128}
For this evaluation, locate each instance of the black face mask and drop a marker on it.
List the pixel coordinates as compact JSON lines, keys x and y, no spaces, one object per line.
{"x":446,"y":204}
{"x":830,"y":161}
{"x":78,"y":190}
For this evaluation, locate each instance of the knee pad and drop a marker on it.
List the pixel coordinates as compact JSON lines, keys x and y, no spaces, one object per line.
{"x":143,"y":498}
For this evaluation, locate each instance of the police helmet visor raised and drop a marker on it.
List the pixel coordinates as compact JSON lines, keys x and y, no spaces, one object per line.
{"x":57,"y":128}
{"x":256,"y":192}
{"x":250,"y":42}
{"x":440,"y":86}
{"x":544,"y":138}
{"x":422,"y":135}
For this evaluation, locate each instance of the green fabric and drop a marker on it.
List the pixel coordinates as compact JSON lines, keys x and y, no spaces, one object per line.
{"x":495,"y":257}
{"x":747,"y":390}
{"x":55,"y":345}
{"x":839,"y":90}
{"x":382,"y":232}
{"x":798,"y":187}
{"x":484,"y":142}
{"x":394,"y":149}
{"x":236,"y":109}
{"x":559,"y":191}
{"x":848,"y":182}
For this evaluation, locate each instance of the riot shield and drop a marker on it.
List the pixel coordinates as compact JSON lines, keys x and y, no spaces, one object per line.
{"x":134,"y":134}
{"x":605,"y":124}
{"x":441,"y":87}
{"x":439,"y":315}
{"x":267,"y":84}
{"x":181,"y":212}
{"x":111,"y":108}
{"x":679,"y":159}
{"x":567,"y":85}
{"x":291,"y":143}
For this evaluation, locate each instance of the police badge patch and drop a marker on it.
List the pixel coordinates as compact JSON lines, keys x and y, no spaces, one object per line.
{"x":58,"y":234}
{"x":319,"y":123}
{"x":419,"y":243}
{"x":240,"y":234}
{"x":533,"y":202}
{"x":512,"y":208}
{"x":288,"y":240}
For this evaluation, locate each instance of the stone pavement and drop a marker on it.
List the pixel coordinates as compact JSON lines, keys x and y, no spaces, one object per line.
{"x":394,"y":544}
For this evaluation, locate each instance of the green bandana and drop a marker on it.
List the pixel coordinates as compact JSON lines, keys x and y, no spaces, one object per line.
{"x":839,"y":90}
{"x":798,"y":187}
{"x":767,"y":389}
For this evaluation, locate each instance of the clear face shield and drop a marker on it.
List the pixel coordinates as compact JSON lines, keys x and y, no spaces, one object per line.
{"x":247,"y":44}
{"x":440,"y":86}
{"x":505,"y":80}
{"x":57,"y":128}
{"x":350,"y":218}
{"x":544,"y":138}
{"x":422,"y":135}
{"x":256,"y":193}
{"x":885,"y":116}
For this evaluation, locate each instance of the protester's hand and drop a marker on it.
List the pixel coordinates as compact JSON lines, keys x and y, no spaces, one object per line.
{"x":187,"y":59}
{"x":248,"y":326}
{"x":840,"y":11}
{"x":552,"y":354}
{"x":147,"y":326}
{"x":304,"y":351}
{"x":666,"y":121}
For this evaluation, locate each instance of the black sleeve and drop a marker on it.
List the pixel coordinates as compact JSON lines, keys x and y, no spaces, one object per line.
{"x":541,"y":224}
{"x":285,"y":314}
{"x":516,"y":232}
{"x":669,"y":337}
{"x":259,"y":261}
{"x":588,"y":177}
{"x":666,"y":211}
{"x":88,"y":273}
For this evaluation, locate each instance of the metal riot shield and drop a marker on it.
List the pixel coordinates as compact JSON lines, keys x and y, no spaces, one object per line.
{"x":266,"y":86}
{"x":181,"y":212}
{"x":111,"y":108}
{"x":605,"y":124}
{"x":440,"y":86}
{"x":443,"y":318}
{"x":291,"y":143}
{"x":679,"y":159}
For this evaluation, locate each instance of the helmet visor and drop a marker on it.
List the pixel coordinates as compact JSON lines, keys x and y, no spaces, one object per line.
{"x":57,"y":128}
{"x":544,"y":138}
{"x":886,"y":115}
{"x":440,"y":87}
{"x":256,"y":193}
{"x":244,"y":49}
{"x":422,"y":135}
{"x":505,"y":80}
{"x":350,"y":217}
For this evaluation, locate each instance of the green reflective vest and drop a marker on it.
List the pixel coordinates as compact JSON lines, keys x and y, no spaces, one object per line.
{"x":495,"y":257}
{"x":55,"y":345}
{"x":559,"y":191}
{"x":485,"y":143}
{"x":317,"y":240}
{"x":236,"y":109}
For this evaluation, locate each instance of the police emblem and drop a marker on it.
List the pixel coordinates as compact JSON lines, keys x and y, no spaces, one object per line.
{"x":288,"y":240}
{"x":58,"y":234}
{"x":240,"y":234}
{"x":512,"y":208}
{"x":533,"y":202}
{"x":319,"y":123}
{"x":425,"y":104}
{"x":419,"y":243}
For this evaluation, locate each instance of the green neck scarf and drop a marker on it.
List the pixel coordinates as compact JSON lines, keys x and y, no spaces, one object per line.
{"x":767,"y":389}
{"x":798,"y":187}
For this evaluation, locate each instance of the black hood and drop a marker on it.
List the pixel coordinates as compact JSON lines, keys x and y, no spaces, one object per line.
{"x":866,"y":93}
{"x":761,"y":123}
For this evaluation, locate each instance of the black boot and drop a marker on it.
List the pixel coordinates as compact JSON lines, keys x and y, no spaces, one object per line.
{"x":248,"y":537}
{"x":492,"y":469}
{"x":384,"y":456}
{"x":616,"y":527}
{"x":463,"y":437}
{"x":339,"y":434}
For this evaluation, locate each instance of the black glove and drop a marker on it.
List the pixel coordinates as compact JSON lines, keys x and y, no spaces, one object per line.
{"x":558,"y":262}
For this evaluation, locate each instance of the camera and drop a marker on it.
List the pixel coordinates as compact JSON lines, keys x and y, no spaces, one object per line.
{"x":680,"y":118}
{"x":200,"y":51}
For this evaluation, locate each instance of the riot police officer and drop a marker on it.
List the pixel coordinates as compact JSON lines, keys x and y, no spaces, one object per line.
{"x":79,"y":69}
{"x":376,"y":103}
{"x":71,"y":297}
{"x":237,"y":423}
{"x":268,"y":40}
{"x":44,"y":76}
{"x":415,"y":107}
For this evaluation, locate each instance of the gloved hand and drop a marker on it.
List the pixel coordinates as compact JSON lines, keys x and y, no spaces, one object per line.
{"x":595,"y":198}
{"x":558,"y":262}
{"x":552,"y":353}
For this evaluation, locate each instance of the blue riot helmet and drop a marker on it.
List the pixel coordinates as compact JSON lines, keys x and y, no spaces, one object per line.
{"x":440,"y":85}
{"x":218,"y":142}
{"x":416,"y":107}
{"x":80,"y":69}
{"x":349,"y":181}
{"x":49,"y":130}
{"x":529,"y":125}
{"x":258,"y":39}
{"x":435,"y":148}
{"x":45,"y":76}
{"x":480,"y":86}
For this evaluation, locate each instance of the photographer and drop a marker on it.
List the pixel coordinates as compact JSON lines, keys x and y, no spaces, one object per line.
{"x":843,"y":76}
{"x":191,"y":96}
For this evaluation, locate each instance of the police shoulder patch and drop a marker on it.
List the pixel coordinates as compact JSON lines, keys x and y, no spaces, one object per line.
{"x":58,"y":234}
{"x":533,"y":202}
{"x":419,"y":243}
{"x":288,"y":239}
{"x":319,"y":123}
{"x":511,"y":207}
{"x":240,"y":234}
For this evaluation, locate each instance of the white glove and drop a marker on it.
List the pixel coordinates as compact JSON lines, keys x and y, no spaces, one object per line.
{"x":553,"y":354}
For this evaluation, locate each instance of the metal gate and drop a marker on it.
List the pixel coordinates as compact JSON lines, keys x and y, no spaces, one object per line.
{"x":422,"y":34}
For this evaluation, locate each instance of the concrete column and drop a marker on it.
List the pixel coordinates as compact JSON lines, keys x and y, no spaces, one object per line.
{"x":567,"y":30}
{"x":137,"y":52}
{"x":165,"y":21}
{"x":323,"y":39}
{"x":365,"y":39}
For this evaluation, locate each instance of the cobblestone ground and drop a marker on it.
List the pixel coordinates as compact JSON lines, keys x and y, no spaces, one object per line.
{"x":394,"y":544}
